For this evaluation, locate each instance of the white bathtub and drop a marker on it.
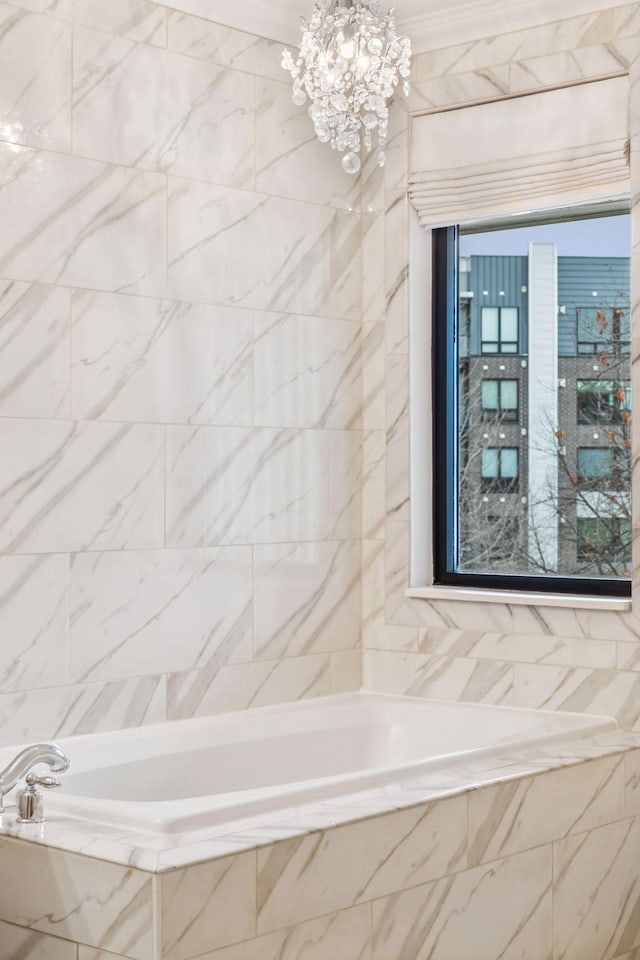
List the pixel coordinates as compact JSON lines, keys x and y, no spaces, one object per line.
{"x":193,"y":774}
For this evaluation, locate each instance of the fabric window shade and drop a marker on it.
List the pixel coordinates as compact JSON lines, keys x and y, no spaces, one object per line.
{"x":531,"y":153}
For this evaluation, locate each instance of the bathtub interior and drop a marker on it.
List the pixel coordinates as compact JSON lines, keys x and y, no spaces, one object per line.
{"x":328,"y":738}
{"x":211,"y":771}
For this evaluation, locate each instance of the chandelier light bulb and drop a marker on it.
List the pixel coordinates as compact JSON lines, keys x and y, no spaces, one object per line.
{"x":349,"y":62}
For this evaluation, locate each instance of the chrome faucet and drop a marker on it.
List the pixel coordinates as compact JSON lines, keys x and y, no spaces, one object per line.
{"x":49,"y":753}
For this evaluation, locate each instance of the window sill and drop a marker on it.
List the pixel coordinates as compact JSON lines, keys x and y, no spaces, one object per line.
{"x":515,"y":597}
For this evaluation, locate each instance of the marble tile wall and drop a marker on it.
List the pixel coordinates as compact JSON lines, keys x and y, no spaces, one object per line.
{"x":181,"y":347}
{"x":528,"y":656}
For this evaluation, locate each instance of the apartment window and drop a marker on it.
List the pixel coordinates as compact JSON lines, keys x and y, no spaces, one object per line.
{"x":603,"y":330}
{"x":601,"y":468}
{"x":602,"y":401}
{"x":499,"y":329}
{"x":603,"y":538}
{"x":500,"y":466}
{"x":500,"y":400}
{"x":570,"y":455}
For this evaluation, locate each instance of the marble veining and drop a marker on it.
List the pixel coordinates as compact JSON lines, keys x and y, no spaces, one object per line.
{"x":140,"y":359}
{"x":195,"y":119}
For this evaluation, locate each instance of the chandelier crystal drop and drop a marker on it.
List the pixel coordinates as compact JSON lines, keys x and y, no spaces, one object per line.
{"x":350,"y":61}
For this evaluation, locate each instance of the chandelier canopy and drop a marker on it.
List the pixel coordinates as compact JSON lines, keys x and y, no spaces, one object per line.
{"x":350,"y":61}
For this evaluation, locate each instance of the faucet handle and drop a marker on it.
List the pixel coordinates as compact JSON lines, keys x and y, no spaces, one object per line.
{"x":33,"y":780}
{"x":30,"y":805}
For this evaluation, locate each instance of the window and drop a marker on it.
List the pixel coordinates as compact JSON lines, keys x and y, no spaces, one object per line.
{"x":601,"y":468}
{"x":603,"y":330}
{"x":499,"y":329}
{"x":602,"y":401}
{"x":500,"y":469}
{"x":603,"y":537}
{"x":594,"y":463}
{"x":500,"y":400}
{"x":562,"y":462}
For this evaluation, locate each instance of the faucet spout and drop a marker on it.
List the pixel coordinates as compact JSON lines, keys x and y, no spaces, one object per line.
{"x":49,"y":753}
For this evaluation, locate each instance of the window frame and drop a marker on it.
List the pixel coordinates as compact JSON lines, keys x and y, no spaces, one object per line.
{"x":445,"y":426}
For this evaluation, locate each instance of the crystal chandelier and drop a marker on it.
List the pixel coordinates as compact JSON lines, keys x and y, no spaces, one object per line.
{"x":349,"y":64}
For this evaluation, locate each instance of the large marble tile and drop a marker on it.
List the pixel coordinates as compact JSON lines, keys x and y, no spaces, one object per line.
{"x":217,"y":43}
{"x":307,"y":372}
{"x":526,"y":813}
{"x":41,"y":714}
{"x":397,"y":465}
{"x":34,"y":350}
{"x":613,"y":693}
{"x":345,"y":484}
{"x":346,"y":671}
{"x":158,"y":611}
{"x":373,"y":260}
{"x":81,"y":223}
{"x":597,"y":892}
{"x":373,"y":376}
{"x":80,"y":486}
{"x":632,"y":783}
{"x":147,"y":360}
{"x":17,"y":943}
{"x":340,"y":936}
{"x":290,"y":160}
{"x":441,"y":678}
{"x":306,"y":598}
{"x":396,"y":271}
{"x":373,"y":485}
{"x":235,"y":485}
{"x":35,"y":104}
{"x":98,"y":903}
{"x":33,"y":622}
{"x":141,"y":20}
{"x":316,"y":874}
{"x":523,"y":648}
{"x":241,"y":686}
{"x":373,"y":621}
{"x":208,"y":906}
{"x":499,"y":910}
{"x":139,"y":105}
{"x":308,"y":264}
{"x":93,"y":953}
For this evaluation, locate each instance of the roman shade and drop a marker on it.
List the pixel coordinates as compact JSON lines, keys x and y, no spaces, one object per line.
{"x":528,"y":153}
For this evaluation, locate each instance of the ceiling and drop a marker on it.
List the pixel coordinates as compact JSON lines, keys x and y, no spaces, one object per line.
{"x":432,"y":24}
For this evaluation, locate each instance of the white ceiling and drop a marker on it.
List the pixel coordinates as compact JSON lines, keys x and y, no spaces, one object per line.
{"x":432,"y":24}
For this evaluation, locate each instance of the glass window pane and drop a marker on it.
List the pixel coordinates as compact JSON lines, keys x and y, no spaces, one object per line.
{"x":490,"y":332}
{"x":594,"y":463}
{"x":509,"y":464}
{"x":490,"y":394}
{"x":509,"y":394}
{"x":528,"y":460}
{"x":489,"y":463}
{"x":509,"y":324}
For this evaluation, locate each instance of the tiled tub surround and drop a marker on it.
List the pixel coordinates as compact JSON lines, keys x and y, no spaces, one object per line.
{"x":530,"y":854}
{"x":180,"y":369}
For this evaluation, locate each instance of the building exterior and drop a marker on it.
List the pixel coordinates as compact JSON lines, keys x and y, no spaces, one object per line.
{"x":544,"y":414}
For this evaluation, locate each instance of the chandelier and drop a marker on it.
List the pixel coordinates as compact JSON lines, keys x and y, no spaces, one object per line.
{"x":350,"y":61}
